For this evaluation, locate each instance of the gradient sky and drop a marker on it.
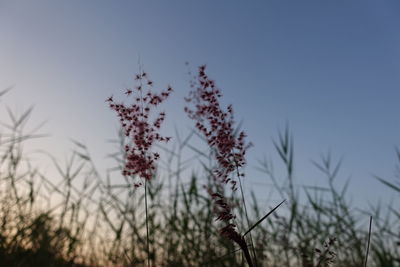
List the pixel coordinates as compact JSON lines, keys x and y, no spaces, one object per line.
{"x":328,"y":68}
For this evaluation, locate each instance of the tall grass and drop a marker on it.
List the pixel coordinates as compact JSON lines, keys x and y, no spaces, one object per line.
{"x":81,"y":217}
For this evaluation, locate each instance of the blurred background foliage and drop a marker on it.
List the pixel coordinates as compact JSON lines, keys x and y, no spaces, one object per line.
{"x":84,"y":218}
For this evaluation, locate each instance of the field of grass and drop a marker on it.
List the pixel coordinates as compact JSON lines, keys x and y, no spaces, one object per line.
{"x":174,"y":218}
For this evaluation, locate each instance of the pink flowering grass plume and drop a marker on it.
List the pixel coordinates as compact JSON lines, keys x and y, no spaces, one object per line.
{"x":216,"y":126}
{"x":141,"y":127}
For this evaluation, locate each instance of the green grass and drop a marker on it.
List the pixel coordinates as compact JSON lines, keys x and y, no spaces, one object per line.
{"x":84,"y":217}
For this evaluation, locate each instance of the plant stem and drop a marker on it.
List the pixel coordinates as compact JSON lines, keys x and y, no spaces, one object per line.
{"x":369,"y":240}
{"x":147,"y":224}
{"x":245,"y":211}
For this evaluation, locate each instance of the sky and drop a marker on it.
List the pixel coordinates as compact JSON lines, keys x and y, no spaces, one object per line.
{"x":328,"y":69}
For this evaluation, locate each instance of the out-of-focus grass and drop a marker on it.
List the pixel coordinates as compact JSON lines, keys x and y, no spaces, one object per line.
{"x":84,"y":218}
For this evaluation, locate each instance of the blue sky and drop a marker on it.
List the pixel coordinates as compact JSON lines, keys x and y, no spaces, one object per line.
{"x":328,"y":68}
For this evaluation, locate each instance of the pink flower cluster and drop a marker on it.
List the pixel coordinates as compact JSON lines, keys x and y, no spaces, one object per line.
{"x":216,"y":126}
{"x":135,"y":120}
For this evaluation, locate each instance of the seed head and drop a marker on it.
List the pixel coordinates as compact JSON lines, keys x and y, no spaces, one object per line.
{"x":216,"y":125}
{"x":135,"y":120}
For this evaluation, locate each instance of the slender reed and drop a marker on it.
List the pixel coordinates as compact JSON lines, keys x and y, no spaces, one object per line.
{"x":369,"y":240}
{"x":135,"y":120}
{"x":216,"y":126}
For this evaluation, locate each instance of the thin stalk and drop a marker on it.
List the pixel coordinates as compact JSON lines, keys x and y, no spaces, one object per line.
{"x":145,"y":181}
{"x":247,"y":217}
{"x":147,"y":224}
{"x":369,"y":240}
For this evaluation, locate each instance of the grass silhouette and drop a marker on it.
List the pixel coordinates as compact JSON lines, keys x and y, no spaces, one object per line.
{"x":84,"y":218}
